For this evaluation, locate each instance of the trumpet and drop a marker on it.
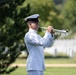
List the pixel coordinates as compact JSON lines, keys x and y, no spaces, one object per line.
{"x":57,"y":31}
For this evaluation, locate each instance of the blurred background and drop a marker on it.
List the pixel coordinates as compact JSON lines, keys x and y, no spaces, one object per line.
{"x":61,"y":14}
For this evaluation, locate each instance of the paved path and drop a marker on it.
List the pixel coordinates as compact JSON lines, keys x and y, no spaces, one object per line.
{"x":49,"y":65}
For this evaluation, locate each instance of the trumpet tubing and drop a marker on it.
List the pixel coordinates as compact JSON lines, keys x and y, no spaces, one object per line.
{"x":55,"y":30}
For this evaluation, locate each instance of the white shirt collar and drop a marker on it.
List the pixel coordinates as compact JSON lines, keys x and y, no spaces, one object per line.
{"x":32,"y":30}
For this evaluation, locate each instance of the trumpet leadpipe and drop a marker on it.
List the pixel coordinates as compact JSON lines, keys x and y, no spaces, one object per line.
{"x":55,"y":30}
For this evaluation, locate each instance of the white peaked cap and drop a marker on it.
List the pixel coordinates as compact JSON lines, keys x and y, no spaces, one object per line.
{"x":32,"y":17}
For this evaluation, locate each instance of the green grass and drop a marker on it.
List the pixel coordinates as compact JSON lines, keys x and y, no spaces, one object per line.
{"x":49,"y":59}
{"x":49,"y":71}
{"x":60,"y":71}
{"x":59,"y":59}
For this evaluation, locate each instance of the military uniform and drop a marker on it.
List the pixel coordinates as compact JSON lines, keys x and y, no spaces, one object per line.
{"x":35,"y":45}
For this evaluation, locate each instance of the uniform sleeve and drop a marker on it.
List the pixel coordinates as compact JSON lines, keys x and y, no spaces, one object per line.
{"x":49,"y":38}
{"x":33,"y":39}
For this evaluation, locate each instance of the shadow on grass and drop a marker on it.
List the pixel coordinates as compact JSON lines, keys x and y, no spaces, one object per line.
{"x":48,"y":57}
{"x":56,"y":57}
{"x":22,"y":57}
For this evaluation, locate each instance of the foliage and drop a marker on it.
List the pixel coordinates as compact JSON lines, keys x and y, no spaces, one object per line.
{"x":12,"y":31}
{"x":49,"y":15}
{"x":69,"y":13}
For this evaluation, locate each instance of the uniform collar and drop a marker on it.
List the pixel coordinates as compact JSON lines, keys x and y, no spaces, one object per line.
{"x":32,"y":30}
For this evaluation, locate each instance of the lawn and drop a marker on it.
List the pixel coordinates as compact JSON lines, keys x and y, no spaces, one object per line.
{"x":49,"y":59}
{"x":49,"y":71}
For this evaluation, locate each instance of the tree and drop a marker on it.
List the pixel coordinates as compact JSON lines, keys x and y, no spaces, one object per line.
{"x":69,"y":13}
{"x":12,"y":31}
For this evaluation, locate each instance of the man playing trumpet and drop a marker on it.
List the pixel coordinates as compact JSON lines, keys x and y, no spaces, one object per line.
{"x":35,"y":45}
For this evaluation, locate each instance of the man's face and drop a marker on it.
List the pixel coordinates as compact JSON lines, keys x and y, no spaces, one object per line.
{"x":34,"y":25}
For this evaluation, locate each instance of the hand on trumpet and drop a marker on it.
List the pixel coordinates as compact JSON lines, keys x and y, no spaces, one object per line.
{"x":50,"y":29}
{"x":54,"y":31}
